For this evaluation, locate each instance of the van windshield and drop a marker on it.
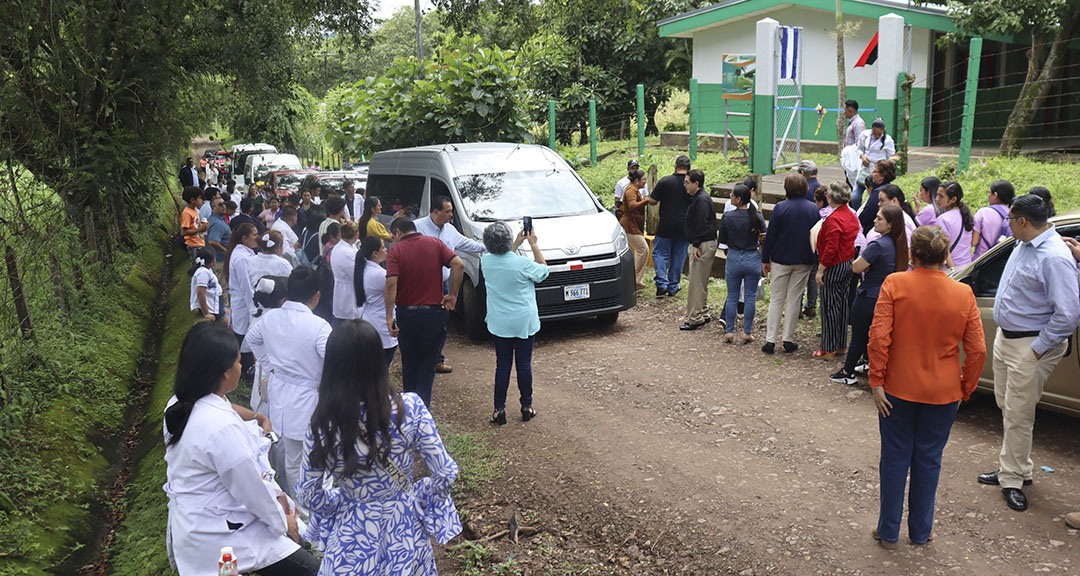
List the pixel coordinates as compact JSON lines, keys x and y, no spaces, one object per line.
{"x":512,"y":195}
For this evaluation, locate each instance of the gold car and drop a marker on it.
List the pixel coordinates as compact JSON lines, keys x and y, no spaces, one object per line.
{"x":1062,"y":393}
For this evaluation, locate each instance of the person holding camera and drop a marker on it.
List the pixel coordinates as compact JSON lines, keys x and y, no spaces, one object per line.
{"x":512,"y":316}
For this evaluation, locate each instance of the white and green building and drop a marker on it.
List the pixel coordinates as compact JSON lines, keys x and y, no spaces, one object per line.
{"x":907,"y":43}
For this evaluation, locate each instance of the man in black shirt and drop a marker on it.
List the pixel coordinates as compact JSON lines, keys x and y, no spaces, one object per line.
{"x":670,"y":245}
{"x":700,"y":231}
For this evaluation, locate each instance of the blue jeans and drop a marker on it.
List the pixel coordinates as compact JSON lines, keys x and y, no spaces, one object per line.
{"x":912,"y":437}
{"x":508,"y":352}
{"x":668,"y":258}
{"x":420,"y":332}
{"x":389,"y":352}
{"x":742,"y":270}
{"x":856,"y":196}
{"x":445,"y":321}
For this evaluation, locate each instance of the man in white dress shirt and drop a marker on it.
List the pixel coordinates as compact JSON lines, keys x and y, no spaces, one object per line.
{"x":285,"y":225}
{"x":354,"y":203}
{"x":437,"y":225}
{"x":342,"y":264}
{"x":290,"y":343}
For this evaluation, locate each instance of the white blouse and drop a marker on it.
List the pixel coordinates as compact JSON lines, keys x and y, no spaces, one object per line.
{"x":205,"y":278}
{"x":264,"y":264}
{"x":217,"y":494}
{"x":374,"y":310}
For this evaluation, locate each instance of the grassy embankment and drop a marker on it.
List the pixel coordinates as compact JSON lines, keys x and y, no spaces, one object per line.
{"x":57,"y":462}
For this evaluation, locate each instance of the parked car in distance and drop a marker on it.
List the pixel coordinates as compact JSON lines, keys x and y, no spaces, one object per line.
{"x":222,"y":160}
{"x":283,"y":183}
{"x":335,"y":181}
{"x":241,"y":153}
{"x":260,"y":165}
{"x":592,"y":268}
{"x":1062,"y":392}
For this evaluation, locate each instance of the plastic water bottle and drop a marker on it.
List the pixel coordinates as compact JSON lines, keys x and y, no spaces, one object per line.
{"x":227,"y":563}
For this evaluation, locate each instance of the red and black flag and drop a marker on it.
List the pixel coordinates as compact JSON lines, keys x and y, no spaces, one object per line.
{"x":869,"y":56}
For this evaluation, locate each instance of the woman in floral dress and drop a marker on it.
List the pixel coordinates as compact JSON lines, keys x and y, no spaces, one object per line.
{"x":375,"y":519}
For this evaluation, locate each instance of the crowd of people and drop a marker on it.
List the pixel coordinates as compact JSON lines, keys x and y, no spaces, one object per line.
{"x":310,"y":303}
{"x":878,"y":268}
{"x":309,"y":297}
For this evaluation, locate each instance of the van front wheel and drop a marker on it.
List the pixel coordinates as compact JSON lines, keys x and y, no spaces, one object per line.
{"x":608,"y":319}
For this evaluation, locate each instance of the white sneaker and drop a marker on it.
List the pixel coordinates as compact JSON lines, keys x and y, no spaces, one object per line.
{"x":862,"y":368}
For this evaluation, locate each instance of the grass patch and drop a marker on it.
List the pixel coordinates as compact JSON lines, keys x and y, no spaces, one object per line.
{"x":1063,"y":179}
{"x":478,"y":464}
{"x":601,"y":178}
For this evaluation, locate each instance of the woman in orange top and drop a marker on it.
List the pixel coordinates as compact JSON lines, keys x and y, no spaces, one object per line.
{"x":633,"y":223}
{"x":917,"y":380}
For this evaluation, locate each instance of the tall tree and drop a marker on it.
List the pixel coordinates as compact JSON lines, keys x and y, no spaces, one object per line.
{"x":1051,"y":24}
{"x":841,"y":77}
{"x":95,"y":92}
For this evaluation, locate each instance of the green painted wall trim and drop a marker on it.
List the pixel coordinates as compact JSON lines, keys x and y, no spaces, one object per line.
{"x":761,"y":142}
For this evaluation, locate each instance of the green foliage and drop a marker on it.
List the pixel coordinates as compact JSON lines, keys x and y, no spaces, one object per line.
{"x":1062,"y":178}
{"x":1011,"y":17}
{"x":509,"y":568}
{"x":473,"y":556}
{"x":468,"y":93}
{"x":601,"y":178}
{"x":69,"y":388}
{"x":290,"y":124}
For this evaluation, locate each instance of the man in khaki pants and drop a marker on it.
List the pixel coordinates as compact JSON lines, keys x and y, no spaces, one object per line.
{"x":701,"y":233}
{"x":1036,"y":309}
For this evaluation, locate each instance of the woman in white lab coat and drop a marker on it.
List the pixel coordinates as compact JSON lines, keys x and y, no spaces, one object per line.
{"x":269,"y":261}
{"x":217,"y":494}
{"x":241,"y":252}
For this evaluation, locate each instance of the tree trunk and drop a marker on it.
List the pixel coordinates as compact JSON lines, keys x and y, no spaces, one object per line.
{"x":22,"y":311}
{"x":841,"y":79}
{"x":1044,"y":66}
{"x":902,"y":166}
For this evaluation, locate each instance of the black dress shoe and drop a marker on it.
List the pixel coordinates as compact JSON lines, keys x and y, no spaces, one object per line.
{"x":689,"y":326}
{"x":661,"y":292}
{"x":991,"y":479}
{"x":1015,"y":498}
{"x":790,"y":347}
{"x":768,"y":348}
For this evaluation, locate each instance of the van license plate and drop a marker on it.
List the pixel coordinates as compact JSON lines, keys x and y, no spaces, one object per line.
{"x":576,"y":292}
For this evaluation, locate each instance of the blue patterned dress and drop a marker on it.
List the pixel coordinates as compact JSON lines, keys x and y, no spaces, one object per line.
{"x":366,"y":524}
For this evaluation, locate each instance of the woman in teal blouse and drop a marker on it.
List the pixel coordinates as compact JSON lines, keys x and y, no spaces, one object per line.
{"x":512,"y":317}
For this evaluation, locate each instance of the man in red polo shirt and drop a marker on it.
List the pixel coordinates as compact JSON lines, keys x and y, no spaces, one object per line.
{"x":414,"y":283}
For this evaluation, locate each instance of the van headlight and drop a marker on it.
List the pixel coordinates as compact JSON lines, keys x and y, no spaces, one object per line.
{"x":620,"y":242}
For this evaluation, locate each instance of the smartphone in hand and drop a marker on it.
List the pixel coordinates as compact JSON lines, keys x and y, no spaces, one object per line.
{"x":526,"y":225}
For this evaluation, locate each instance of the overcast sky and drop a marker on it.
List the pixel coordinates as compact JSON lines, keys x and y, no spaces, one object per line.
{"x":387,"y":7}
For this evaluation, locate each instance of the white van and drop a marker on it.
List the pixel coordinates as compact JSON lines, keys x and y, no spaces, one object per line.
{"x":240,"y":155}
{"x":592,"y":268}
{"x":259,"y":164}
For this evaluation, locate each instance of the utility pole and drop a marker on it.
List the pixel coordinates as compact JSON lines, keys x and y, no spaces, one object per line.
{"x":419,"y":31}
{"x":326,"y":67}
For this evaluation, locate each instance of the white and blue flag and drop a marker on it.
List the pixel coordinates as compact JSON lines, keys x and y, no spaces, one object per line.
{"x":789,"y":51}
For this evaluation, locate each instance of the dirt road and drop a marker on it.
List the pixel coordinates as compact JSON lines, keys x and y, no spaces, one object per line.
{"x":659,"y":451}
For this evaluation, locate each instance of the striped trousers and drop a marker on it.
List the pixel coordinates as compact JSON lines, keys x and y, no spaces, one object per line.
{"x":835,"y":306}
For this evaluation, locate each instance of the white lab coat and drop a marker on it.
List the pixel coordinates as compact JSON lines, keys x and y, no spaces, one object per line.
{"x":264,"y":264}
{"x":290,"y":342}
{"x":218,"y":495}
{"x":240,"y":289}
{"x":343,"y":263}
{"x":290,"y":237}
